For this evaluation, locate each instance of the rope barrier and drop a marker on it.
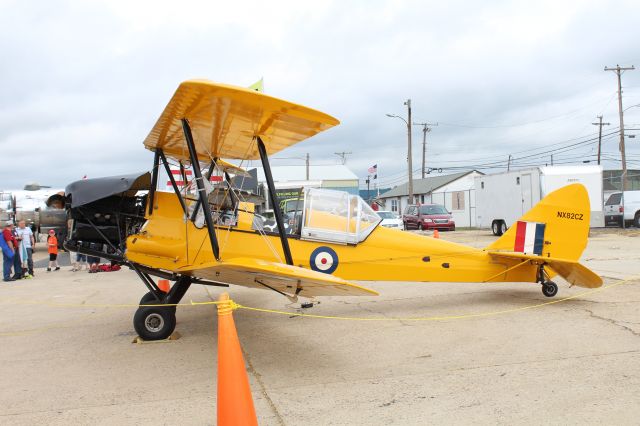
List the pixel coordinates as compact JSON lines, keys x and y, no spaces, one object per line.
{"x":235,"y":306}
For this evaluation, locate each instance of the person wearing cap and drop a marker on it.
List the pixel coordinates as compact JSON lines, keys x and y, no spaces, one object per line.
{"x":27,"y":241}
{"x":52,"y":243}
{"x":8,"y":252}
{"x":10,"y":237}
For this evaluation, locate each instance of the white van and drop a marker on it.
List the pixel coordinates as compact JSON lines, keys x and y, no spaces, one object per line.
{"x":619,"y":203}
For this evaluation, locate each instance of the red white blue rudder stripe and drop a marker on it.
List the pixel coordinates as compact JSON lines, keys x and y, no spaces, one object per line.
{"x":529,"y":237}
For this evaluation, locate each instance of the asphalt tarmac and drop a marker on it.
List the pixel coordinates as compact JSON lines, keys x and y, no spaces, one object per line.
{"x":482,"y":353}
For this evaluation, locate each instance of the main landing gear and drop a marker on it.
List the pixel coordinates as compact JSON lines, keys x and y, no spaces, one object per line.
{"x":549,"y":288}
{"x":158,"y":322}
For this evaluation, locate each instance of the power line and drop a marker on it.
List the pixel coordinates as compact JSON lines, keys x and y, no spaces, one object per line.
{"x":343,"y":156}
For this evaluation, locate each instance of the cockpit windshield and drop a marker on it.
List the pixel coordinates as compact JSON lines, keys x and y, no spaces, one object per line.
{"x":336,"y":216}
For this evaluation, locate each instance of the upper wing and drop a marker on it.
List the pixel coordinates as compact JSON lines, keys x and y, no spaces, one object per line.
{"x":570,"y":270}
{"x":287,"y":279}
{"x":225,"y":120}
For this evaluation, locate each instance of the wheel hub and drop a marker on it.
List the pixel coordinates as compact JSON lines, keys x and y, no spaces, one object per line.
{"x":154,"y":323}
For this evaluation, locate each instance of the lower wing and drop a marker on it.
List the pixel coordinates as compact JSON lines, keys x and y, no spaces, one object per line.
{"x":570,"y":270}
{"x":286,"y":279}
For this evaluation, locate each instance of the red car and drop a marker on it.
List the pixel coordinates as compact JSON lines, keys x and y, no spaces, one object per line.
{"x":428,"y":216}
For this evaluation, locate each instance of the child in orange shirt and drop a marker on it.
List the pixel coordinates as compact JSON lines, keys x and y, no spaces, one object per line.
{"x":52,"y":242}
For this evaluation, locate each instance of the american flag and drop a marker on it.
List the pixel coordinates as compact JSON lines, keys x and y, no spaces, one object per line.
{"x":373,"y":169}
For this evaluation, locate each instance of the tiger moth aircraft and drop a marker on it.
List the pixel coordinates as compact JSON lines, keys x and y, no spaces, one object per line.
{"x":206,"y":233}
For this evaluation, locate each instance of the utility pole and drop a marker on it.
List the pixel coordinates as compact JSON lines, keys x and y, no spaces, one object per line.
{"x":307,"y":163}
{"x":618,"y":69}
{"x":552,"y":159}
{"x":343,"y":156}
{"x":409,"y":155}
{"x":425,"y":129}
{"x":600,"y":124}
{"x":509,"y":163}
{"x":408,"y":104}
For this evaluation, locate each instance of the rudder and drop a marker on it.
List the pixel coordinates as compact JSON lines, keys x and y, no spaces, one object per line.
{"x":564,"y":216}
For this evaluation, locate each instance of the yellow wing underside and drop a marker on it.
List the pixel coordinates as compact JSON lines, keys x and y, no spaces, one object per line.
{"x":570,"y":270}
{"x":256,"y":273}
{"x":225,"y":121}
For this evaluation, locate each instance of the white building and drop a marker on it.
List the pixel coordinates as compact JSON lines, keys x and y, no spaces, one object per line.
{"x":456,"y":192}
{"x":334,"y":176}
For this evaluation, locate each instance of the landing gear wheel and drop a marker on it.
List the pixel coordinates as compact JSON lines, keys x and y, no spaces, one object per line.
{"x":154,"y":322}
{"x":549,"y":288}
{"x":150,"y":299}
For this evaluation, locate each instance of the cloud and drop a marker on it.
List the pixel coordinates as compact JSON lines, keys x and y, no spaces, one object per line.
{"x":84,"y":82}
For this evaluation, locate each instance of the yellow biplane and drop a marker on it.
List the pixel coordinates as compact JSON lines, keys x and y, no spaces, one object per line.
{"x":207,"y":233}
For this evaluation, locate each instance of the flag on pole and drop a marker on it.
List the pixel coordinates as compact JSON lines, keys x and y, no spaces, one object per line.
{"x":258,"y":86}
{"x":373,"y":169}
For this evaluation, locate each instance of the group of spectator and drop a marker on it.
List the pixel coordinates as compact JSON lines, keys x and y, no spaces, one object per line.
{"x":81,"y":261}
{"x":17,"y":246}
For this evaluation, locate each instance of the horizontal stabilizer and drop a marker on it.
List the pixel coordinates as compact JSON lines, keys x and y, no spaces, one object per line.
{"x":291,"y":280}
{"x":570,"y":270}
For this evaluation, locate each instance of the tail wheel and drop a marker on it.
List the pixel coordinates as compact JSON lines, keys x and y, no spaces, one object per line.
{"x":549,"y":288}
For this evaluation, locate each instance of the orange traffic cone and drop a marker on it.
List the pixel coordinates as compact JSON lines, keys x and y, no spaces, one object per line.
{"x":235,"y":403}
{"x":436,"y":234}
{"x":164,"y":286}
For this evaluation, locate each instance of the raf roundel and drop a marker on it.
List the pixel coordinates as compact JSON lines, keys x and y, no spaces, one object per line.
{"x":324,"y":259}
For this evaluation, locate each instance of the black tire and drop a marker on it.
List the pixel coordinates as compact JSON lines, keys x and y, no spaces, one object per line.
{"x":496,"y":227}
{"x":636,"y":220}
{"x":150,"y":299}
{"x":503,"y":228}
{"x":154,"y":322}
{"x":422,"y":227}
{"x":549,"y":289}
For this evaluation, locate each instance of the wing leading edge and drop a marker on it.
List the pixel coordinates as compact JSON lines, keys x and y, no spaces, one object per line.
{"x":291,"y":280}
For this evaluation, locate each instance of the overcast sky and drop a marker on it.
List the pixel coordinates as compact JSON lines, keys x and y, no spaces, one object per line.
{"x":82,"y":82}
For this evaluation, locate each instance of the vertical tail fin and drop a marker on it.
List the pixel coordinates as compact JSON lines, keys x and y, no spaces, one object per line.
{"x":558,"y":226}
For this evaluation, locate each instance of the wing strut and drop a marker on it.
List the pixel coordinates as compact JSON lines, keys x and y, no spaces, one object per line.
{"x":232,"y":197}
{"x":274,"y":201}
{"x":208,"y":175}
{"x":202,"y":193}
{"x":154,"y":180}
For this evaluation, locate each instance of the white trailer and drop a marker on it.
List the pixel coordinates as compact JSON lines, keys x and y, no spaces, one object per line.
{"x":502,"y":198}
